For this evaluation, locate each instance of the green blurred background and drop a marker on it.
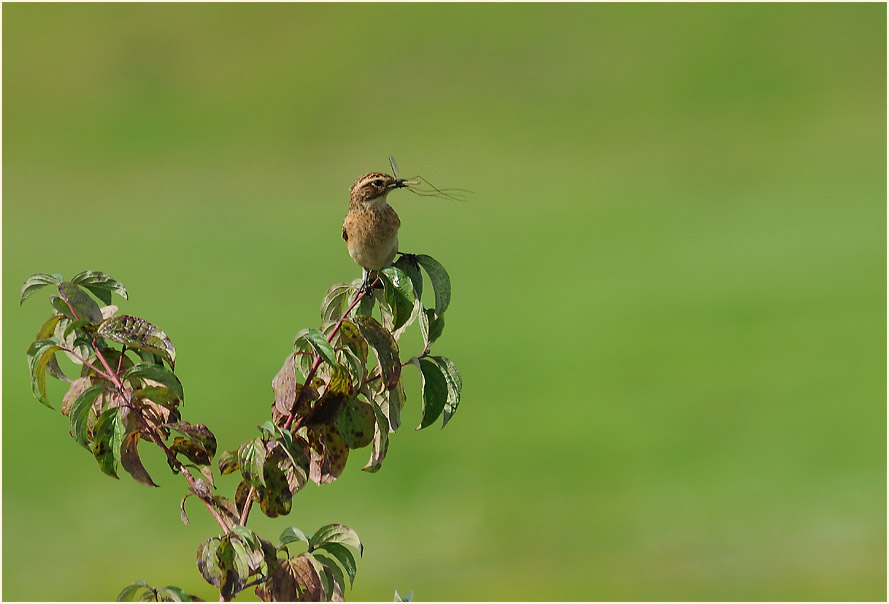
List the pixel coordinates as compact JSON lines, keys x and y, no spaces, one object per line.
{"x":669,"y":283}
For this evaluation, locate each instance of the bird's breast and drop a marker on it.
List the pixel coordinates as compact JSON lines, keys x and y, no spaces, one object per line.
{"x":371,"y":235}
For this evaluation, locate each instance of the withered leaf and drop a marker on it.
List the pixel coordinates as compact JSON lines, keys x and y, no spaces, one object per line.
{"x":295,"y":580}
{"x":74,"y":390}
{"x":129,"y":459}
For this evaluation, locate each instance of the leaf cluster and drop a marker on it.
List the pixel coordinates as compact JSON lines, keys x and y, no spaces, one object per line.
{"x":340,"y":389}
{"x":125,"y":390}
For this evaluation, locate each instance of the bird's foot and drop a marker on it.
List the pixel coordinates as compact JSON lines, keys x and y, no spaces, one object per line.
{"x":371,"y":282}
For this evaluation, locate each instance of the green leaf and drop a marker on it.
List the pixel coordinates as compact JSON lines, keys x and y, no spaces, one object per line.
{"x":75,"y":326}
{"x":171,"y":593}
{"x":431,"y":325}
{"x":251,"y":458}
{"x":57,"y":303}
{"x":366,"y":306}
{"x":344,"y":557}
{"x":228,"y":462}
{"x":246,"y":535}
{"x":234,"y":564}
{"x":441,"y":282}
{"x":80,"y":411}
{"x":399,"y":292}
{"x":275,"y":499}
{"x":356,"y":424}
{"x":411,"y":268}
{"x":380,"y":441}
{"x":435,"y":391}
{"x":80,"y":302}
{"x":385,"y":347}
{"x":130,"y":591}
{"x":455,"y":386}
{"x":139,"y":334}
{"x":199,"y":444}
{"x":160,"y":395}
{"x":156,"y":373}
{"x":100,"y":285}
{"x":333,"y":571}
{"x":129,"y":459}
{"x":336,"y":533}
{"x":334,"y":301}
{"x":108,"y":439}
{"x":391,"y":403}
{"x":208,"y":562}
{"x":321,"y":346}
{"x":36,"y":281}
{"x":40,"y":353}
{"x":292,"y":535}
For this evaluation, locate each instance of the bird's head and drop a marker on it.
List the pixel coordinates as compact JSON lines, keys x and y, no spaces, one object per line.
{"x":373,"y":187}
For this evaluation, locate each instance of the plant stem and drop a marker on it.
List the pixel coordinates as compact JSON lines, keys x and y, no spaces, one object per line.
{"x":88,"y":364}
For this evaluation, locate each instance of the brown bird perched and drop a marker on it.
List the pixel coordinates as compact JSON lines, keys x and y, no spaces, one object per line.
{"x":371,"y":226}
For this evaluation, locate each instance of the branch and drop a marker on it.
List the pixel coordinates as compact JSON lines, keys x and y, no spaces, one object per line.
{"x":128,"y":401}
{"x":316,"y":363}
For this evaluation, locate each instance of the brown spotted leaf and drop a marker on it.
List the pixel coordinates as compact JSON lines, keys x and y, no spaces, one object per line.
{"x":356,"y":424}
{"x":198,"y":444}
{"x":336,"y":395}
{"x":139,"y":334}
{"x":284,"y":386}
{"x":350,"y":336}
{"x":328,"y":454}
{"x":108,"y":438}
{"x":276,"y":497}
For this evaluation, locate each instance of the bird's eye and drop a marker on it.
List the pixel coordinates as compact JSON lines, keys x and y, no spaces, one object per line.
{"x":378,"y":183}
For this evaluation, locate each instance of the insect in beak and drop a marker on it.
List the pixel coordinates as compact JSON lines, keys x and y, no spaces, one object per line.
{"x":403,"y":182}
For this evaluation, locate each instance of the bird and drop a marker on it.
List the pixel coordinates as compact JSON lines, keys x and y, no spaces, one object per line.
{"x":371,"y":225}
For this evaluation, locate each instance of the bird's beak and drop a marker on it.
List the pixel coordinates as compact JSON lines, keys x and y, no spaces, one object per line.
{"x":400,"y":183}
